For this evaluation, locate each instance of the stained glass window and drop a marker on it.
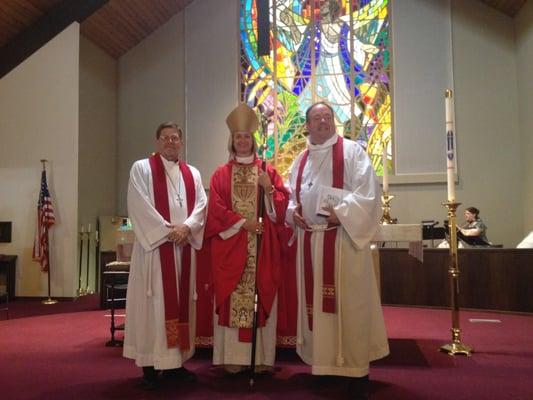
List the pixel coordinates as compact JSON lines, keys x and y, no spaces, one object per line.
{"x":332,"y":50}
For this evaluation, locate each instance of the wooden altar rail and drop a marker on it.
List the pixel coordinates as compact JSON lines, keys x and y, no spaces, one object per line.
{"x":490,"y":279}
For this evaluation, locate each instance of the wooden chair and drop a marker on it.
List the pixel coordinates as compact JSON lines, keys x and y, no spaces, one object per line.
{"x":115,"y":279}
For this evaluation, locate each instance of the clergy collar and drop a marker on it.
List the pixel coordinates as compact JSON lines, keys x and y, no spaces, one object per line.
{"x":245,"y":160}
{"x":328,"y":143}
{"x":168,"y":163}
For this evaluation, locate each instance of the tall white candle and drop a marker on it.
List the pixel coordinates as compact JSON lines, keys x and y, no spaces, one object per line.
{"x":82,"y":229}
{"x":385,"y":169}
{"x":450,"y":144}
{"x":89,"y":228}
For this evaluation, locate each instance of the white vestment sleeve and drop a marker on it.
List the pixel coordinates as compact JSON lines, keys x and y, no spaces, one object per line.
{"x":150,"y":228}
{"x":196,"y":221}
{"x":359,"y":212}
{"x":233,"y":230}
{"x":269,"y":207}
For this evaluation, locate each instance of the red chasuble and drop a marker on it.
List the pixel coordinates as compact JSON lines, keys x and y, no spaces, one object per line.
{"x":229,"y":257}
{"x":328,"y":268}
{"x":288,"y":292}
{"x":176,"y":311}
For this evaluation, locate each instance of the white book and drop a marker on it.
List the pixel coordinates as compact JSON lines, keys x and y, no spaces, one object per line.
{"x":329,"y":196}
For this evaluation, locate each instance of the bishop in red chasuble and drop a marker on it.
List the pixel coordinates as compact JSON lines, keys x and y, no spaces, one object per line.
{"x":232,"y":231}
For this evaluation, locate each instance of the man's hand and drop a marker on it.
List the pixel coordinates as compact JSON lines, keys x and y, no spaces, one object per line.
{"x":253,"y":226}
{"x":332,"y":219}
{"x":298,"y":219}
{"x":264,"y":181}
{"x":179,"y":234}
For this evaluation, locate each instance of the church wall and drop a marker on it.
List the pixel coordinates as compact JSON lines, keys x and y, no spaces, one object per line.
{"x":97,"y":143}
{"x":488,"y":140}
{"x":211,"y":79}
{"x":487,"y":118}
{"x":151,"y":91}
{"x":418,"y":84}
{"x":486,"y":95}
{"x":524,"y":51}
{"x":39,"y":119}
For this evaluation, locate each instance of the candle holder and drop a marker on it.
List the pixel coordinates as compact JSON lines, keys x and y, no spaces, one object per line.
{"x":456,"y":347}
{"x":386,"y":219}
{"x":88,"y":289}
{"x":81,"y":290}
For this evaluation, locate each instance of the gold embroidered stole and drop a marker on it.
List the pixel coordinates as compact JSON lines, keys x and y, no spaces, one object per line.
{"x":244,"y":202}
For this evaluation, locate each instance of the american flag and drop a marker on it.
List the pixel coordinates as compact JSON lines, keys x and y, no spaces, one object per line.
{"x":45,"y":219}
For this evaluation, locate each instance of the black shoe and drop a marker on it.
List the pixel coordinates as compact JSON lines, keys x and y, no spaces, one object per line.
{"x":319,"y":382}
{"x":359,"y":388}
{"x":179,"y":374}
{"x":149,"y":379}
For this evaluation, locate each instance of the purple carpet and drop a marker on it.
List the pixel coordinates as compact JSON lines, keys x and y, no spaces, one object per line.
{"x":62,"y":356}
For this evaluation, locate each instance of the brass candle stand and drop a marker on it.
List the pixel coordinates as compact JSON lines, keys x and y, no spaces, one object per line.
{"x":456,"y":347}
{"x":386,"y":219}
{"x":81,"y":290}
{"x":87,"y":269}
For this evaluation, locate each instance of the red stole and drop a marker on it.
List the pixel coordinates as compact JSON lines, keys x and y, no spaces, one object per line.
{"x":176,"y":312}
{"x":328,"y":258}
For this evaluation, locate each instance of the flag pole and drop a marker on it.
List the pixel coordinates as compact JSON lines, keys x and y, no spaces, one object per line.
{"x":49,"y":300}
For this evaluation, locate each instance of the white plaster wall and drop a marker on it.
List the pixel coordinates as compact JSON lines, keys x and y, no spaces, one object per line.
{"x":488,"y":137}
{"x":97,"y":144}
{"x":524,"y":51}
{"x":212,"y":62}
{"x":151,"y":91}
{"x":39,"y":119}
{"x":422,"y":69}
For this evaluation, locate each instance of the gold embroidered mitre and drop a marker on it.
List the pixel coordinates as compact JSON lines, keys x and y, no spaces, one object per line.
{"x":242,"y":119}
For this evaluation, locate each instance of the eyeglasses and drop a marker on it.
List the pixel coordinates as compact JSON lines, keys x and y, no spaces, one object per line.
{"x":171,"y":139}
{"x":320,"y":117}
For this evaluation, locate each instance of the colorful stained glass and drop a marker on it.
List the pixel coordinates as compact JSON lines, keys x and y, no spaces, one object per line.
{"x":332,"y":50}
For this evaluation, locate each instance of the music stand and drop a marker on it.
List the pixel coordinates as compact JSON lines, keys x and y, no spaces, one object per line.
{"x":430,"y":231}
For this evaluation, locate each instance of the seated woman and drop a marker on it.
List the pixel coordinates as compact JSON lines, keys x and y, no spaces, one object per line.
{"x":474,"y":229}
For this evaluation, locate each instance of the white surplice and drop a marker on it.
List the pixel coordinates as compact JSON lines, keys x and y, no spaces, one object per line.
{"x":145,"y":336}
{"x":343,"y":343}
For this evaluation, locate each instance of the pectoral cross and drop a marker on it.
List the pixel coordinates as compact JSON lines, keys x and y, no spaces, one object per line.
{"x":310,"y":184}
{"x":180,"y":200}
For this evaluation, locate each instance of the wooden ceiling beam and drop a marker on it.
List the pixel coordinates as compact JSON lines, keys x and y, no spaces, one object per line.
{"x":43,"y":30}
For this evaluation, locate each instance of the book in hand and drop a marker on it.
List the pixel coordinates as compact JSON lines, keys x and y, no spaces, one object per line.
{"x":329,"y":196}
